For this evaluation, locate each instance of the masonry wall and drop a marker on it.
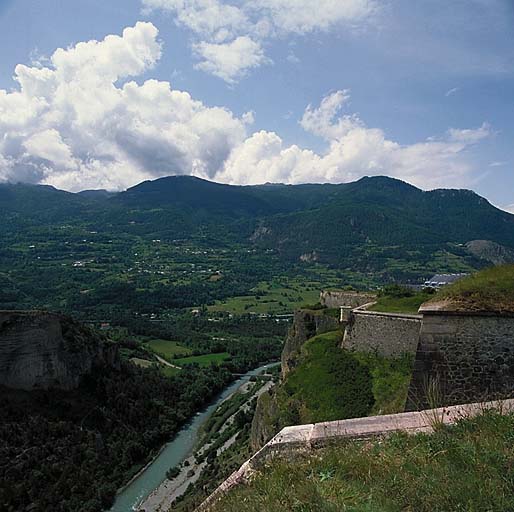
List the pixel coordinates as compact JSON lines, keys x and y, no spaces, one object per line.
{"x":387,"y":334}
{"x":463,"y":358}
{"x":336,"y":299}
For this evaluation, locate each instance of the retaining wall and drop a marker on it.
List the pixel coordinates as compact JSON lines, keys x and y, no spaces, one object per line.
{"x":387,"y":334}
{"x":463,"y":357}
{"x":337,"y":299}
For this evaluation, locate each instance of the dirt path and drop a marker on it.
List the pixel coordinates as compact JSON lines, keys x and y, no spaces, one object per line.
{"x":167,"y":363}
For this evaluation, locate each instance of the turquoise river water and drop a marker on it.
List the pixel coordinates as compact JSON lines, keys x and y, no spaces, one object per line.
{"x":173,"y":453}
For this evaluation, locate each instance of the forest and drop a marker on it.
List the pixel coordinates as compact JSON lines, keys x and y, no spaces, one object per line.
{"x":71,"y":451}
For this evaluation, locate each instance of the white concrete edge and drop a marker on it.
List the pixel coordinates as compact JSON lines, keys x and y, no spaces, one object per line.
{"x":306,"y":436}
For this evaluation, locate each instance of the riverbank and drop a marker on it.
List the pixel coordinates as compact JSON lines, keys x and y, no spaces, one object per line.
{"x":163,"y":497}
{"x":174,"y":453}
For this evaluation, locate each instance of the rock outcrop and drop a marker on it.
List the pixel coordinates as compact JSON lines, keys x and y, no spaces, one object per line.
{"x":264,"y":424}
{"x":306,"y":324}
{"x":40,"y":350}
{"x":339,"y":298}
{"x":491,"y":251}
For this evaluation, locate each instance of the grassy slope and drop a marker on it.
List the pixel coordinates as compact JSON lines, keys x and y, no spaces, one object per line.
{"x":491,"y":289}
{"x":328,"y":384}
{"x":467,"y":467}
{"x":168,"y":349}
{"x":390,"y":380}
{"x":332,"y":384}
{"x":204,"y":360}
{"x":411,"y":305}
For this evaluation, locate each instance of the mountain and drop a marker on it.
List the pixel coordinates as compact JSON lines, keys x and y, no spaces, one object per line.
{"x":96,"y":194}
{"x":385,"y":212}
{"x":375,"y":219}
{"x":191,"y":193}
{"x":194,"y":193}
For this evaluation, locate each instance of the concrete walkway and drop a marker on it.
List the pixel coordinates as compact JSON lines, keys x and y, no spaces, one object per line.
{"x":305,"y":437}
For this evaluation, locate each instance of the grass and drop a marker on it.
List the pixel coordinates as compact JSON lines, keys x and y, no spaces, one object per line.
{"x":491,"y":289}
{"x":390,"y":380}
{"x":390,"y":304}
{"x":275,"y":297}
{"x":467,"y":467}
{"x":168,"y":371}
{"x":167,"y":349}
{"x":333,"y":384}
{"x":328,"y":384}
{"x":203,"y":360}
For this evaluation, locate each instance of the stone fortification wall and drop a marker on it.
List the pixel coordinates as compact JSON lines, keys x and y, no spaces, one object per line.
{"x":41,"y":350}
{"x":462,"y":357}
{"x":387,"y":334}
{"x":337,"y":299}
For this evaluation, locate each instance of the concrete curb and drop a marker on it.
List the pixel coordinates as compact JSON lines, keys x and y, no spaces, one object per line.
{"x":306,"y":437}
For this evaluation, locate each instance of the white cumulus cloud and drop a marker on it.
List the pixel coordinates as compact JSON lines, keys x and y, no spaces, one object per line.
{"x":228,"y":39}
{"x":353,"y":151}
{"x":83,"y":122}
{"x":230,"y":61}
{"x":75,"y":125}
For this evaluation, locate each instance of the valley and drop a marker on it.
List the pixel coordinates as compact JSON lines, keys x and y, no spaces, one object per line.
{"x":196,"y":284}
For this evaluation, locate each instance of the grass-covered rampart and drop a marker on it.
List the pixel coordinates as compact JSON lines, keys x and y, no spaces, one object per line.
{"x":465,"y":467}
{"x":399,"y":299}
{"x":330,"y":383}
{"x":491,"y":290}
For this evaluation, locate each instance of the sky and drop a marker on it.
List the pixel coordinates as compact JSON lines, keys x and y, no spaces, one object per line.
{"x":97,"y":94}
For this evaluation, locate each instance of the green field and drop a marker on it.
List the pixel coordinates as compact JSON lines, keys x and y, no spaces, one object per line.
{"x":277,"y":297}
{"x":168,"y":371}
{"x":204,"y":360}
{"x":168,"y":349}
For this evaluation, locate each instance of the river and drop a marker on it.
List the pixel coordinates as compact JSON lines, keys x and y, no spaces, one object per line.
{"x":174,"y":452}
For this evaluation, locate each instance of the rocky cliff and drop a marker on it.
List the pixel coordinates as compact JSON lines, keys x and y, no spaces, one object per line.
{"x":306,"y":324}
{"x":268,"y":417}
{"x":491,"y":252}
{"x":339,"y":298}
{"x":40,"y":350}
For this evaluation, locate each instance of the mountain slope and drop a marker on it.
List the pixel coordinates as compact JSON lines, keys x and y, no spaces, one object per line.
{"x":386,"y":212}
{"x":369,"y":222}
{"x":196,"y":194}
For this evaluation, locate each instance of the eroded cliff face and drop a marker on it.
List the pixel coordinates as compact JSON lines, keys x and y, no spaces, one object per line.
{"x":40,"y":350}
{"x":268,"y":418}
{"x":306,"y":324}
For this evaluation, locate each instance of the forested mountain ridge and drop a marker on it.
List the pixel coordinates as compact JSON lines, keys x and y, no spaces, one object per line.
{"x":181,"y":241}
{"x":385,"y":212}
{"x":364,"y":206}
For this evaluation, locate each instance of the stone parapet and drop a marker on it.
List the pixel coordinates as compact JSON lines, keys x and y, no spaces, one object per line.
{"x":308,"y":437}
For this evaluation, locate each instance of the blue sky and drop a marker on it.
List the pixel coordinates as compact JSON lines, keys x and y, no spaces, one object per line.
{"x":422,"y":91}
